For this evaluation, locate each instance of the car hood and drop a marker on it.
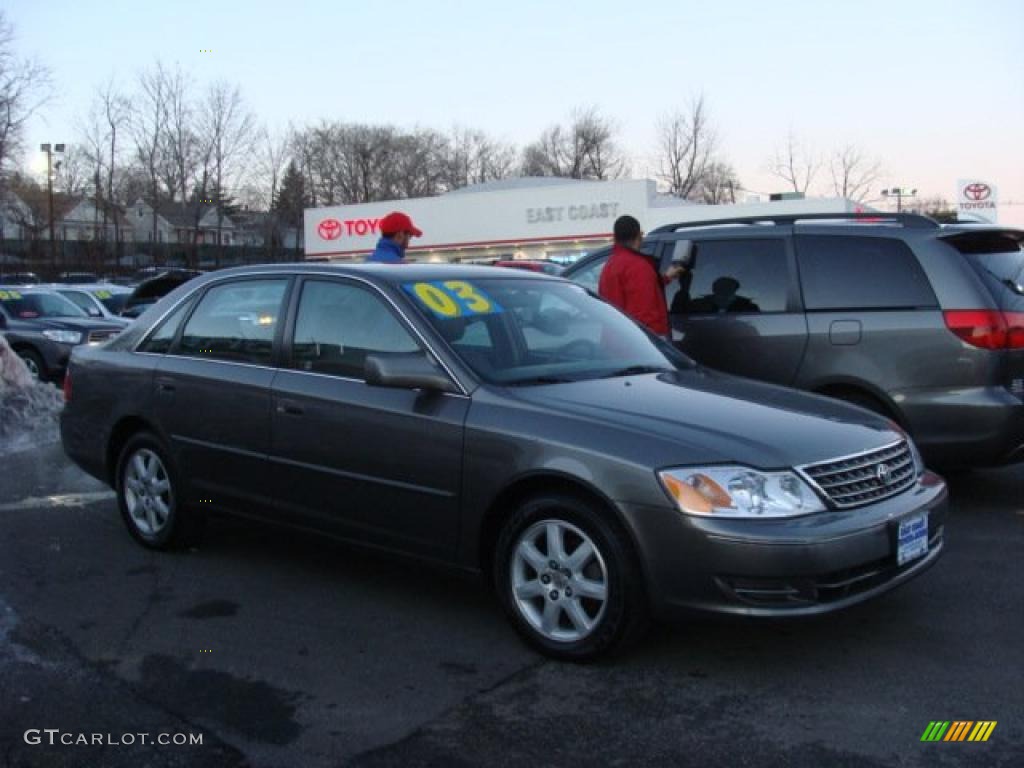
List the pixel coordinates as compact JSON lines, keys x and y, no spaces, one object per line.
{"x":722,"y":418}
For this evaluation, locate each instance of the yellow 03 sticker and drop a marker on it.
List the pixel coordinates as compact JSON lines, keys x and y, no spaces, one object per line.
{"x":453,"y":298}
{"x":436,"y":300}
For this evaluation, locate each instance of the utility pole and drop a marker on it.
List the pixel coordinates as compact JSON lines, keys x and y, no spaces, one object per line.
{"x":58,"y":148}
{"x":899,"y":193}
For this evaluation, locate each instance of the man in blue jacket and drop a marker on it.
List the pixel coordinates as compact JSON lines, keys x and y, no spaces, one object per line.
{"x":396,"y":231}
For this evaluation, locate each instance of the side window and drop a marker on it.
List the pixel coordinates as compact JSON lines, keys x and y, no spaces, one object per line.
{"x":159,"y":342}
{"x":339,"y":324}
{"x":860,"y":273}
{"x":235,"y":322}
{"x":732,"y":276}
{"x":589,"y":276}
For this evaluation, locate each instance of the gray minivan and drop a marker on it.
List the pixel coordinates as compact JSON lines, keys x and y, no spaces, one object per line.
{"x":920,"y":322}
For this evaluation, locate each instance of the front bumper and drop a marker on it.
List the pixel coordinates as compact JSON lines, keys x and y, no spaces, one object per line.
{"x":800,"y":566}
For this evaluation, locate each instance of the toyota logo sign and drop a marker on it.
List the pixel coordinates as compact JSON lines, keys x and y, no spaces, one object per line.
{"x":329,"y":229}
{"x":977,"y":191}
{"x":883,"y":474}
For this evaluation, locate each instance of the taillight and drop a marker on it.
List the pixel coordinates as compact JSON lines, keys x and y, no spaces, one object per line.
{"x":67,"y":386}
{"x":987,"y":328}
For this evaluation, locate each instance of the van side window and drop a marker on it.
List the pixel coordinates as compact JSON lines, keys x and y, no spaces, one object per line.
{"x":861,"y":273}
{"x":732,"y":276}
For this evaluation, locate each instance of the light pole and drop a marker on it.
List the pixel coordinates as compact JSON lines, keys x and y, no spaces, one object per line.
{"x":899,"y":193}
{"x":58,"y":149}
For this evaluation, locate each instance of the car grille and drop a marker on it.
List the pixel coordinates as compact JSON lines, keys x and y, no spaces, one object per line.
{"x":97,"y":336}
{"x":866,"y":477}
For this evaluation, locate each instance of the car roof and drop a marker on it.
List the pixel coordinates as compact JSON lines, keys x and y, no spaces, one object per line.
{"x":388,"y":273}
{"x":112,"y":287}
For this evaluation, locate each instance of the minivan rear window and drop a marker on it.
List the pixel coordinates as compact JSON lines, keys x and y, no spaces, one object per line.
{"x":846,"y":273}
{"x":997,"y":257}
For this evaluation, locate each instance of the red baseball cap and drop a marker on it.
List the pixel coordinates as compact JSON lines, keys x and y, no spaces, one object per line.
{"x":398,"y":222}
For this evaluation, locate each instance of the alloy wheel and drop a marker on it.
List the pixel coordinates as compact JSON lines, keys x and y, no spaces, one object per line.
{"x":147,"y":492}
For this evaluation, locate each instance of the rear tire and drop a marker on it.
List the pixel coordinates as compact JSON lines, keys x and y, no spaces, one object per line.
{"x":151,"y":497}
{"x":568,"y":579}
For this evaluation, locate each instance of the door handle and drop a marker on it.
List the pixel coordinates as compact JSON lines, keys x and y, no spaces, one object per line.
{"x":165,"y":386}
{"x":289,"y":408}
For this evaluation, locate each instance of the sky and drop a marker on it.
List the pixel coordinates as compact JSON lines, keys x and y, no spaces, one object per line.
{"x":934,"y":89}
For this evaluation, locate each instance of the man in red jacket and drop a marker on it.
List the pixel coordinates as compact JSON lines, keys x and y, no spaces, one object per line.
{"x":630,"y":279}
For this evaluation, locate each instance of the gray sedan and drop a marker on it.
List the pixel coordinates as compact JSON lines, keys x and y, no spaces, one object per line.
{"x":507,"y":423}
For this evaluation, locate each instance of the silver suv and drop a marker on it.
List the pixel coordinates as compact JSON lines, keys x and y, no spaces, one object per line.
{"x":920,"y":322}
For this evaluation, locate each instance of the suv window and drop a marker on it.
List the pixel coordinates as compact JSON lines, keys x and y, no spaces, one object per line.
{"x":235,"y":322}
{"x":861,"y":273}
{"x":160,"y":340}
{"x":733,"y":276}
{"x":339,"y":324}
{"x":590,"y":275}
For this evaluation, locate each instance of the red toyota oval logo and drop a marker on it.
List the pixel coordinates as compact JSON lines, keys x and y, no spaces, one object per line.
{"x":329,"y":229}
{"x":977,"y":191}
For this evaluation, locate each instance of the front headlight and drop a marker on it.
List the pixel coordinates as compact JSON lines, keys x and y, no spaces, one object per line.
{"x":64,"y":337}
{"x":739,"y":492}
{"x":916,"y":454}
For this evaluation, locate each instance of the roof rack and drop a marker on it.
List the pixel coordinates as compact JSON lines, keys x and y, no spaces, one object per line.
{"x":909,"y":220}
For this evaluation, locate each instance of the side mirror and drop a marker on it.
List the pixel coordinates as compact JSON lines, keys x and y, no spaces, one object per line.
{"x":406,"y":371}
{"x":683,"y":253}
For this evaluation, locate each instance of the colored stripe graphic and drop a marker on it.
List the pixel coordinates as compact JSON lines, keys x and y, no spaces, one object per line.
{"x":959,"y":730}
{"x":935,"y":731}
{"x":982,"y":730}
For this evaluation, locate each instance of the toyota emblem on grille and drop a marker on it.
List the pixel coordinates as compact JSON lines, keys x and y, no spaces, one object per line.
{"x":883,"y":474}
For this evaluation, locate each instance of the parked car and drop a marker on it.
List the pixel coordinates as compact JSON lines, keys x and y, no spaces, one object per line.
{"x":505,"y":422}
{"x":98,"y":300}
{"x":149,"y":291}
{"x":919,"y":322}
{"x":77,"y":278}
{"x":19,"y":278}
{"x":43,"y":327}
{"x":534,"y":265}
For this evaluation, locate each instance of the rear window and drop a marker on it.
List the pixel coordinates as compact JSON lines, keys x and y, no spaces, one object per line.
{"x":997,"y":257}
{"x":845,"y":273}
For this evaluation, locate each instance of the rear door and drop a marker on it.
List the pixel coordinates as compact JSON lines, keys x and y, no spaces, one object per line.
{"x":872,"y":315}
{"x":212,"y":391}
{"x":737,"y":309}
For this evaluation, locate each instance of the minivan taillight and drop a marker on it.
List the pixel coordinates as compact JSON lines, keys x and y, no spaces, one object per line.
{"x":67,"y":386}
{"x":987,"y":328}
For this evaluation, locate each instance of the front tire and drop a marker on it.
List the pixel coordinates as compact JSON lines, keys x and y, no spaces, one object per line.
{"x":568,"y":579}
{"x":151,"y":499}
{"x":34,"y":362}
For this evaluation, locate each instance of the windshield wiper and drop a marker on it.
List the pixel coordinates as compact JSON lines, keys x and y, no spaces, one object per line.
{"x":634,"y":370}
{"x":537,"y":380}
{"x":1009,"y":282}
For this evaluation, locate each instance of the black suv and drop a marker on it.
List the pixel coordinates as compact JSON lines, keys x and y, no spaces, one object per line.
{"x":895,"y":313}
{"x":43,"y":327}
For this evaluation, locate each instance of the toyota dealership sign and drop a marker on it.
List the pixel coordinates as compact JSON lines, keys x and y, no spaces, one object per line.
{"x":977,"y":199}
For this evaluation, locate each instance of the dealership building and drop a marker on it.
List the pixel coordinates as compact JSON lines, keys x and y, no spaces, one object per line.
{"x":523,"y":218}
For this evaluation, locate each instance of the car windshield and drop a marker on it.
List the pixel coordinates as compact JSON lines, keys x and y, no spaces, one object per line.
{"x":31,"y":305}
{"x":521,"y":332}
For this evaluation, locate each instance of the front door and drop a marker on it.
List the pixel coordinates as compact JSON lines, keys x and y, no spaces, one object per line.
{"x":737,"y":310}
{"x":379,"y":464}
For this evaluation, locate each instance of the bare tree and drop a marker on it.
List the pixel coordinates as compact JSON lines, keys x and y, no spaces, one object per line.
{"x":115,"y":110}
{"x":585,"y":149}
{"x":181,"y":150}
{"x":273,"y":152}
{"x":74,"y":171}
{"x":227,"y":129}
{"x":718,"y":184}
{"x":686,"y":144}
{"x":794,"y":163}
{"x":24,"y":88}
{"x":853,"y":173}
{"x":148,"y":126}
{"x":471,"y":157}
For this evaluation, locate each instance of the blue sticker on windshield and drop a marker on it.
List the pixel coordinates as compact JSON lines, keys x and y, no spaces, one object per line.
{"x":453,"y":298}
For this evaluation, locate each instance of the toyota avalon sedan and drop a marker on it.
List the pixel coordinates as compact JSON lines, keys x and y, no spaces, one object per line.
{"x":502,"y":422}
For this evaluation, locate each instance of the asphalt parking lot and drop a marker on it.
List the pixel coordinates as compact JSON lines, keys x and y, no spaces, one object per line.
{"x":282,"y":649}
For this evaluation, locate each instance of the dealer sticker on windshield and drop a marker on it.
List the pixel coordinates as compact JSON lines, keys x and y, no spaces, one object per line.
{"x":5,"y":295}
{"x":912,"y":538}
{"x":452,"y":298}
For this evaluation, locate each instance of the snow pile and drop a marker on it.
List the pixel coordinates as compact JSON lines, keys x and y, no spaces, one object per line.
{"x":29,"y":409}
